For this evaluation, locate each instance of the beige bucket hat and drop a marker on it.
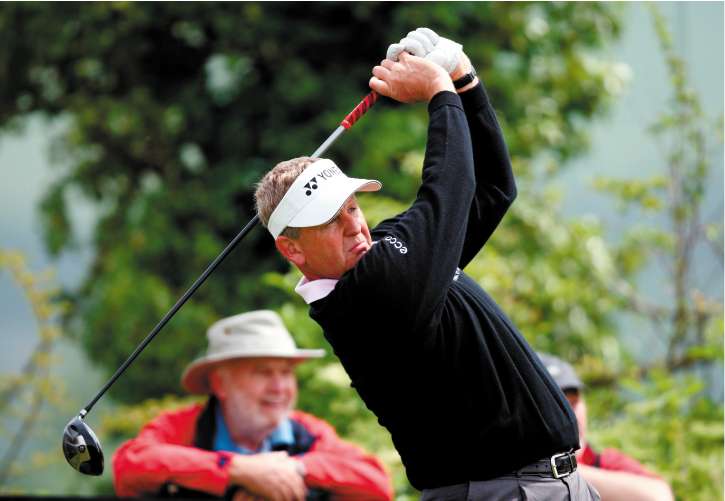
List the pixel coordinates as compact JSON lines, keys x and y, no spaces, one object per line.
{"x":248,"y":335}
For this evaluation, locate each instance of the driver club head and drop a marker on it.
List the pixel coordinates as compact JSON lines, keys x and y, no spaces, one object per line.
{"x":81,"y":447}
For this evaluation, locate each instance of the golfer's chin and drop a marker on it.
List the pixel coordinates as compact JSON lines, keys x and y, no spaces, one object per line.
{"x":349,"y":265}
{"x":356,"y":255}
{"x":336,"y":272}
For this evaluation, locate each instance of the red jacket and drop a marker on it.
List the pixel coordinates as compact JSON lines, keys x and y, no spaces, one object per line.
{"x":612,"y":459}
{"x":163,"y":452}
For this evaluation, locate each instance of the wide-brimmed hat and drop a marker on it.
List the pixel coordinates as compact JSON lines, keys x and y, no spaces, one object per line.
{"x":563,"y":373}
{"x":249,"y":335}
{"x":315,"y":197}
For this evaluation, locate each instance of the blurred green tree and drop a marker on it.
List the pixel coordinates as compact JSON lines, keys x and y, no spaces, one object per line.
{"x":26,"y":395}
{"x":174,"y":111}
{"x":676,"y":417}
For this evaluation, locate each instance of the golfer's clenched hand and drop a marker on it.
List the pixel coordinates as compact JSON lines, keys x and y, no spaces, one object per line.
{"x":425,"y":43}
{"x":410,"y":79}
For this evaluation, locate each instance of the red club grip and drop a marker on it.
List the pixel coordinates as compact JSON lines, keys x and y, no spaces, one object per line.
{"x":359,"y":110}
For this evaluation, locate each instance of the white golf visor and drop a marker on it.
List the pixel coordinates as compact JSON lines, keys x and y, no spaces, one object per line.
{"x":316,"y":196}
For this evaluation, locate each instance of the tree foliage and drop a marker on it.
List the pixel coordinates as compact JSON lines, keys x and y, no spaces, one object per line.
{"x":25,"y":396}
{"x":674,"y":229}
{"x":678,"y":420}
{"x":175,"y":110}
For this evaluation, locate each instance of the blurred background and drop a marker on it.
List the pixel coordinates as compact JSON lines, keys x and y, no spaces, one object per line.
{"x":131,"y":135}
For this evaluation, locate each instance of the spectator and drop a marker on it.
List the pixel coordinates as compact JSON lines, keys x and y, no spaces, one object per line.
{"x":615,"y":475}
{"x":246,"y":442}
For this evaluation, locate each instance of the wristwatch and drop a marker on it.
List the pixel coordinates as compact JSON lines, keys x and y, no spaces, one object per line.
{"x":465,"y":79}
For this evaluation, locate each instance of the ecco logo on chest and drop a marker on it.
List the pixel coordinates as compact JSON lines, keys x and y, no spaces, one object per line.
{"x":397,"y":244}
{"x":323,"y":175}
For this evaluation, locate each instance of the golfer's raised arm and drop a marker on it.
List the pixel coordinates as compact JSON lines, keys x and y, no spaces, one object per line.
{"x":423,"y":247}
{"x":495,"y":185}
{"x":494,"y":181}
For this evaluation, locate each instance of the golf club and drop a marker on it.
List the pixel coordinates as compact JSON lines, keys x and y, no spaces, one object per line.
{"x":81,"y":447}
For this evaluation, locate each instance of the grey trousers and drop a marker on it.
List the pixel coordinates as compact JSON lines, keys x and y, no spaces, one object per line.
{"x":517,"y":488}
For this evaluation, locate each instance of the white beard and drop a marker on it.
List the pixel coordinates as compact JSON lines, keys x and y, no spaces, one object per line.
{"x":247,"y":424}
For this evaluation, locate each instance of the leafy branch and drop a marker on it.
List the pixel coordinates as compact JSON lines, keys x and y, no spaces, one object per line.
{"x":34,"y":378}
{"x":684,"y":135}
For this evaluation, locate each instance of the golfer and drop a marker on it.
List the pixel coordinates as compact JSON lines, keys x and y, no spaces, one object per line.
{"x":470,"y":407}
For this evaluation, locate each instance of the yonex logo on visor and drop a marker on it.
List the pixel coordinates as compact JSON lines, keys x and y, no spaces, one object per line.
{"x":324,"y":174}
{"x":315,"y":196}
{"x":312,"y":185}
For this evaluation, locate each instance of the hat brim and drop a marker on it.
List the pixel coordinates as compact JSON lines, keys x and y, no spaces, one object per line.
{"x":329,"y":203}
{"x":195,"y":378}
{"x":570,"y":385}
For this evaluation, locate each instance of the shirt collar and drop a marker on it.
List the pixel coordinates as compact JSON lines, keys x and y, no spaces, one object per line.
{"x":314,"y":290}
{"x":280,"y":436}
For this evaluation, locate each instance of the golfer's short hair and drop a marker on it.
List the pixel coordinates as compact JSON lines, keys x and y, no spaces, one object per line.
{"x":274,"y":185}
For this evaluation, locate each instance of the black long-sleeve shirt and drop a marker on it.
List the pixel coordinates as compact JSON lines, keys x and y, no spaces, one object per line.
{"x":430,"y":353}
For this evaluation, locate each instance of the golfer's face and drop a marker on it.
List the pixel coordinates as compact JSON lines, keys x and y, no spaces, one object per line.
{"x":332,"y":249}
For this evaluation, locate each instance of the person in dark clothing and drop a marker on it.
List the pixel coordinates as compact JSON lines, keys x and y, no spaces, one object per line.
{"x":615,"y":475}
{"x":469,"y":406}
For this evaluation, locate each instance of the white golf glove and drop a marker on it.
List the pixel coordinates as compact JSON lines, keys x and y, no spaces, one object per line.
{"x":425,"y":43}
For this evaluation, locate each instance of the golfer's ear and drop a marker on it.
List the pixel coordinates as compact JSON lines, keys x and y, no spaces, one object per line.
{"x":290,"y":249}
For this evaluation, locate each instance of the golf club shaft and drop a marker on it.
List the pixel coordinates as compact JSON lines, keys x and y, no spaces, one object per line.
{"x":347,"y":122}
